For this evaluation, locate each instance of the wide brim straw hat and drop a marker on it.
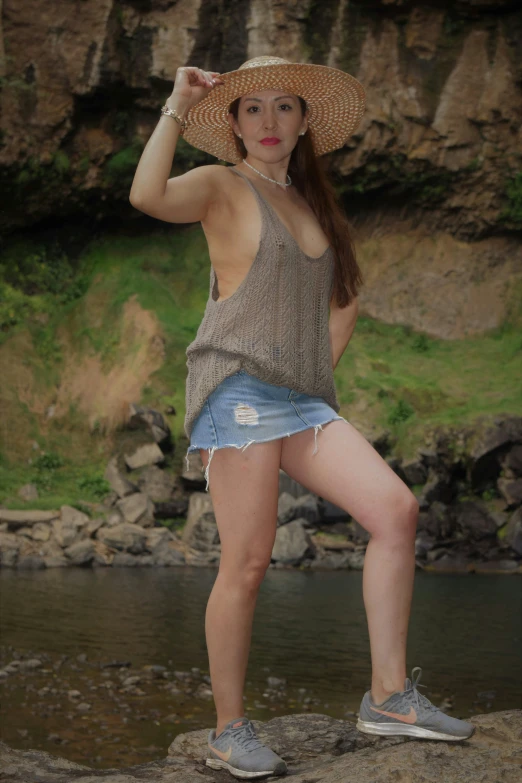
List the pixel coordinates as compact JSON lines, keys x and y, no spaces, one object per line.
{"x":336,"y":102}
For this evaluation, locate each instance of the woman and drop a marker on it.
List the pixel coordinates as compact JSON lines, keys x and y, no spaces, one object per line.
{"x":281,"y":309}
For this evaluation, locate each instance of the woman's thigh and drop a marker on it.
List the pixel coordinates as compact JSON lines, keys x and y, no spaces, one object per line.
{"x":245,"y":490}
{"x":347,"y":471}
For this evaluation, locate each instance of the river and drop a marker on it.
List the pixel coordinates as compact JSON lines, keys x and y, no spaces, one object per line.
{"x":309,"y":628}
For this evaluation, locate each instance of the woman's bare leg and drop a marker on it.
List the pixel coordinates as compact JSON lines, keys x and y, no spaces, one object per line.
{"x":244,"y":487}
{"x":349,"y":472}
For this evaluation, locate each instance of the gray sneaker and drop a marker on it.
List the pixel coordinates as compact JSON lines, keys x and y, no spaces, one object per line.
{"x":238,"y":749}
{"x":410,"y":713}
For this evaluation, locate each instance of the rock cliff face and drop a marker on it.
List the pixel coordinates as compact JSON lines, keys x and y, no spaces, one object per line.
{"x":440,"y":144}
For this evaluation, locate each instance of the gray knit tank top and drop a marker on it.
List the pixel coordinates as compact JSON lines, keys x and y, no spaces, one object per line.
{"x":274,"y":326}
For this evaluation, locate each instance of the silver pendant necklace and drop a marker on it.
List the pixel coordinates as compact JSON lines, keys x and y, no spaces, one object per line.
{"x":283,"y":184}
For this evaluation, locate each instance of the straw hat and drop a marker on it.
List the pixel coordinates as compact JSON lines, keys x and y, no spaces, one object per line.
{"x":336,"y":103}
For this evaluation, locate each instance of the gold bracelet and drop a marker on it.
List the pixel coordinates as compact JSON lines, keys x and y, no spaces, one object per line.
{"x":173,"y":113}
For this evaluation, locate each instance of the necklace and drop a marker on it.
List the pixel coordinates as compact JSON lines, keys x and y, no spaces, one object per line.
{"x":283,"y":184}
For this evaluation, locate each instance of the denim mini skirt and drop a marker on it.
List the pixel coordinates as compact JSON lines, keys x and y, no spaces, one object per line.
{"x":243,"y":409}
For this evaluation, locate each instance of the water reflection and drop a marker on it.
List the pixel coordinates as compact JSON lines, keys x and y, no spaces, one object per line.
{"x":309,"y":627}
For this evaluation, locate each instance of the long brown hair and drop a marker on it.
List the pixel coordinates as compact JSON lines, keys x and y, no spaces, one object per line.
{"x":308,"y":174}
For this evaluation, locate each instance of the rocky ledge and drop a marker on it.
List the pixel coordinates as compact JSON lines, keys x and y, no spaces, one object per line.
{"x":468,"y":484}
{"x":317,"y":749}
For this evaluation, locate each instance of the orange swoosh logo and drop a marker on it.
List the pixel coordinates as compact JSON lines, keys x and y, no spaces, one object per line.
{"x":410,"y":718}
{"x":224,"y":756}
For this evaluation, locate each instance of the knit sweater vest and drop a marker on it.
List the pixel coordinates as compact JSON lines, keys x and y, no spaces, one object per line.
{"x":274,"y":326}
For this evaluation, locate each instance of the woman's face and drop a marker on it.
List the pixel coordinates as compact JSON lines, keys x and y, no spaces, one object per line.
{"x":270,"y":115}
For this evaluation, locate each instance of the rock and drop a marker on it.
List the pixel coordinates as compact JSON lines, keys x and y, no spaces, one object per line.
{"x":199,"y":533}
{"x":80,"y":553}
{"x":307,"y":507}
{"x":30,"y":562}
{"x":163,"y":546}
{"x":329,"y":561}
{"x":52,"y":554}
{"x":193,"y":473}
{"x":93,"y":525}
{"x":70,"y":528}
{"x":497,"y":567}
{"x":513,"y":534}
{"x":451,"y":564}
{"x":511,"y":491}
{"x":396,"y":465}
{"x":324,"y":540}
{"x":488,"y":446}
{"x":203,"y":691}
{"x":127,"y":559}
{"x":292,"y":542}
{"x":103,"y":554}
{"x":9,"y":548}
{"x":124,"y":537}
{"x":119,"y":484}
{"x":147,"y":454}
{"x":474,"y":520}
{"x":316,"y":747}
{"x":357,"y":532}
{"x":16,"y":519}
{"x":137,"y":509}
{"x":304,"y":507}
{"x":176,"y":507}
{"x":28,"y":492}
{"x":114,"y":518}
{"x":156,"y":483}
{"x":512,"y":461}
{"x":438,"y":487}
{"x":285,"y":508}
{"x":290,"y":485}
{"x":40,"y":531}
{"x":29,"y":664}
{"x":149,"y":419}
{"x":332,"y":513}
{"x":436,"y":521}
{"x":204,"y":533}
{"x":415,"y":472}
{"x":423,"y":544}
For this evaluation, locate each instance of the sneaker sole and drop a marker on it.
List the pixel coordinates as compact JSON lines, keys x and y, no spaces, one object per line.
{"x":390,"y":729}
{"x":280,"y":769}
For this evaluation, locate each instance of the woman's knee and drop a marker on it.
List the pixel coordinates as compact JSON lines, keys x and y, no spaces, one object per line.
{"x":398,"y":519}
{"x":247,"y":571}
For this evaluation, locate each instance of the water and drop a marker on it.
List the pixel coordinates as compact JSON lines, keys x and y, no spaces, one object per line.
{"x":309,"y":627}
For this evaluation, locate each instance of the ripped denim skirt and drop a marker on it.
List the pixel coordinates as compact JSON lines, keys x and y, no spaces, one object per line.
{"x":244,"y":410}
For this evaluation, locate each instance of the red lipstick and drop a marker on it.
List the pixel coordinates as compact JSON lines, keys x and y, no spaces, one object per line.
{"x":270,"y":140}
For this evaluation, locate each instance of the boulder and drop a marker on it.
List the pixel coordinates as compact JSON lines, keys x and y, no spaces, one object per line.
{"x":513,"y":534}
{"x":316,"y":747}
{"x":119,"y":484}
{"x":200,"y":530}
{"x":148,"y":419}
{"x":80,"y":553}
{"x":474,"y":520}
{"x":147,"y":454}
{"x":292,"y":542}
{"x":511,"y":491}
{"x":16,"y":519}
{"x":124,"y":537}
{"x":137,"y":509}
{"x":156,"y":483}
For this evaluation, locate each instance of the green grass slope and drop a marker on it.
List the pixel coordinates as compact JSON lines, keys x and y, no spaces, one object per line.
{"x":78,"y":345}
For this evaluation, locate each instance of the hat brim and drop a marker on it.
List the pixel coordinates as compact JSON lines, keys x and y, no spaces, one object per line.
{"x":335,"y":99}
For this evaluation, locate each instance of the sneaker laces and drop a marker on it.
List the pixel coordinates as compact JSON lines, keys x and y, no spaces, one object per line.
{"x":420,"y":699}
{"x":246,"y":737}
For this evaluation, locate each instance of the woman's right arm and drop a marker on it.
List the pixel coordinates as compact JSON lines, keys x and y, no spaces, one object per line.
{"x":183,"y":199}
